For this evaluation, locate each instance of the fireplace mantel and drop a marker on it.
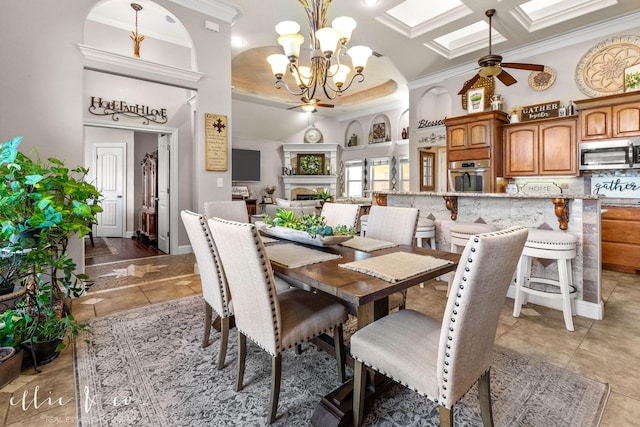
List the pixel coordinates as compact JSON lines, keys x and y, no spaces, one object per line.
{"x":311,"y":182}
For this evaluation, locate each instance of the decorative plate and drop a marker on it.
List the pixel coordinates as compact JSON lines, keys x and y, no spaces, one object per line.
{"x":312,"y":135}
{"x":541,"y":80}
{"x":600,"y":72}
{"x":300,"y":236}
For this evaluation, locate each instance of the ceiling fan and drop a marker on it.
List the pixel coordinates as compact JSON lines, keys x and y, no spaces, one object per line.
{"x":309,"y":105}
{"x":491,"y":65}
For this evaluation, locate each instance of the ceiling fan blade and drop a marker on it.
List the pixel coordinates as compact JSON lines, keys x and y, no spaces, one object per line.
{"x":293,"y":108}
{"x":506,"y":78}
{"x":520,"y":66}
{"x":325,"y":105}
{"x":468,"y":84}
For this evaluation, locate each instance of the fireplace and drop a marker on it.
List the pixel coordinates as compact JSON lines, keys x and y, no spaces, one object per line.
{"x":310,"y":184}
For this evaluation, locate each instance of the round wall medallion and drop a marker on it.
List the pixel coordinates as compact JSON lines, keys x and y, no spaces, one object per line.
{"x":312,"y":135}
{"x":600,"y":72}
{"x":541,"y":80}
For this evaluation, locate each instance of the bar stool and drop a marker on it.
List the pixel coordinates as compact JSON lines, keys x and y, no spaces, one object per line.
{"x":460,"y":233}
{"x":554,"y":245}
{"x":426,"y":230}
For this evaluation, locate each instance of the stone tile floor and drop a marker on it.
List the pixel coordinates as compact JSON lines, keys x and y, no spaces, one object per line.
{"x":606,"y":350}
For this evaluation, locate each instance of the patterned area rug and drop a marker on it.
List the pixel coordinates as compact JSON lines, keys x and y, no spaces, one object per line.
{"x":146,"y":368}
{"x":101,"y":247}
{"x":136,"y":271}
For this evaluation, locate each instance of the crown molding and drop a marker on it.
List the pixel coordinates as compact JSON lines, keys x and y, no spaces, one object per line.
{"x":219,"y":9}
{"x":137,"y":64}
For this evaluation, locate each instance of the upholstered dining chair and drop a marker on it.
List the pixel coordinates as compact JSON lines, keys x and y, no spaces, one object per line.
{"x":340,"y":214}
{"x":214,"y":285}
{"x":442,"y":360}
{"x":397,"y":225}
{"x":275,"y":322}
{"x":233,"y":210}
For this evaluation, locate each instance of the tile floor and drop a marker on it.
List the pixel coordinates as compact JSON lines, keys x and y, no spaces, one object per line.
{"x":606,"y":350}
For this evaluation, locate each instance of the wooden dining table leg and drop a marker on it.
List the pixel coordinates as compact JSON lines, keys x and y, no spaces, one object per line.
{"x":336,"y":408}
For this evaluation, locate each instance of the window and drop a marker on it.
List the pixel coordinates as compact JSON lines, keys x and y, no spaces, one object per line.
{"x":404,"y":174}
{"x":380,"y":173}
{"x":427,"y":171}
{"x":353,"y":178}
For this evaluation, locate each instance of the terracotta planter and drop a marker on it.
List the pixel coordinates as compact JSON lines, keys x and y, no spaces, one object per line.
{"x":10,"y":365}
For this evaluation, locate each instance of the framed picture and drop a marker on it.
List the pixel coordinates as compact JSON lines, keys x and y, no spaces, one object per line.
{"x":475,"y":102}
{"x":240,"y":190}
{"x":379,"y":132}
{"x":632,"y":78}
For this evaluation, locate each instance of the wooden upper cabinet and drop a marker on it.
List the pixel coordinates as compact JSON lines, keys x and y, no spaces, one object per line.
{"x":521,"y":150}
{"x":614,"y":116}
{"x":457,"y":138}
{"x":545,"y":147}
{"x":626,"y":119}
{"x":596,"y":123}
{"x":479,"y":134}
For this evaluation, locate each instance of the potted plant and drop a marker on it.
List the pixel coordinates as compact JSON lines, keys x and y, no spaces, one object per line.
{"x":41,"y":207}
{"x":40,"y":323}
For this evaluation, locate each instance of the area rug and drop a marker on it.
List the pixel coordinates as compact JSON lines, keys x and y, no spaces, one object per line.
{"x":101,"y":247}
{"x":138,"y":271}
{"x":146,"y":368}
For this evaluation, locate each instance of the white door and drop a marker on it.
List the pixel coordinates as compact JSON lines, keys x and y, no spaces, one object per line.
{"x":164,"y":156}
{"x":110,"y":181}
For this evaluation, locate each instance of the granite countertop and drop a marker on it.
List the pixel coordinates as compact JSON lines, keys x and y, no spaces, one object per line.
{"x":494,"y":195}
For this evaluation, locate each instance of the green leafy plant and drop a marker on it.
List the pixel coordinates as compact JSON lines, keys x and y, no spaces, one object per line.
{"x":39,"y":318}
{"x":313,"y":224}
{"x":41,"y":207}
{"x":325,"y":195}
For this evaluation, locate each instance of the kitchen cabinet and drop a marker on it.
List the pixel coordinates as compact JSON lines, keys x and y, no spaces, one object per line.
{"x":621,"y":239}
{"x":543,"y":147}
{"x":477,"y":136}
{"x":615,"y":116}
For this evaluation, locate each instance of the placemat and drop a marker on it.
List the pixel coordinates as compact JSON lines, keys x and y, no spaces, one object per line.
{"x":266,"y":240}
{"x":367,"y":245}
{"x":293,"y":256}
{"x":396,"y":266}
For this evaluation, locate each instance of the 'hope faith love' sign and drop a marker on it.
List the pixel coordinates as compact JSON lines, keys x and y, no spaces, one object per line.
{"x":617,"y":186}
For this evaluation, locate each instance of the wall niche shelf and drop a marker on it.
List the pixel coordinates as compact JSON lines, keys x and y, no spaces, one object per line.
{"x":354,"y":129}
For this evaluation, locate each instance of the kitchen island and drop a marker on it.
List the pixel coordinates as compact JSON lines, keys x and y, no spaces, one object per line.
{"x":578,"y":214}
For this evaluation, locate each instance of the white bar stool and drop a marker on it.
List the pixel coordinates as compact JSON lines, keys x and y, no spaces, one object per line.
{"x":460,"y":233}
{"x":554,"y":245}
{"x":426,"y":230}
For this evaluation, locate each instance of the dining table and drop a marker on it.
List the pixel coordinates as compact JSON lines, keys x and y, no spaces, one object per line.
{"x":364,"y":295}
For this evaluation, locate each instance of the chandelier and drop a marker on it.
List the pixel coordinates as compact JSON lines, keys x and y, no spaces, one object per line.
{"x":326,"y":45}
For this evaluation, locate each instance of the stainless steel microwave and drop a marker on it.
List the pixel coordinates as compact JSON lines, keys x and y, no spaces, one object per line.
{"x":611,"y":154}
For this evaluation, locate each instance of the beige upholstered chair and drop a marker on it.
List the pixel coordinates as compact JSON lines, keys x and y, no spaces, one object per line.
{"x":443,"y":360}
{"x":214,"y":286}
{"x":397,"y":225}
{"x":340,"y":214}
{"x":233,"y":210}
{"x":275,"y":322}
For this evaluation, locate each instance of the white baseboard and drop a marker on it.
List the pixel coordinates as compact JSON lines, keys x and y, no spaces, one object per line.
{"x":581,"y":308}
{"x":184,"y":249}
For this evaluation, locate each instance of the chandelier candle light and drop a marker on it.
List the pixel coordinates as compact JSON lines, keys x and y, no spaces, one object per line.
{"x":326,"y":45}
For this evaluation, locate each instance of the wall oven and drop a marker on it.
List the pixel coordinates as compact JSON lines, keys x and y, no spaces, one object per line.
{"x":614,"y":154}
{"x":470,"y":176}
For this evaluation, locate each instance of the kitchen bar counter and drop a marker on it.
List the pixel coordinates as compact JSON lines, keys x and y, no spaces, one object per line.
{"x":578,"y":214}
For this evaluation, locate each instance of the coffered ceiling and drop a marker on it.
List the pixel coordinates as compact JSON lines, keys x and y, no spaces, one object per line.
{"x":411,"y":38}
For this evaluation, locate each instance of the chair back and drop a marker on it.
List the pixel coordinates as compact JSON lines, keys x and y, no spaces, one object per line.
{"x":233,"y":210}
{"x":392,"y":224}
{"x":251,"y":282}
{"x":214,"y":283}
{"x":340,"y":214}
{"x":470,"y":320}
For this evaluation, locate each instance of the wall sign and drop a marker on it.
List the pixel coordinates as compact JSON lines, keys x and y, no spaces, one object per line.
{"x":540,"y":188}
{"x":103,"y":107}
{"x":429,"y":124}
{"x":540,"y":111}
{"x":627,"y":187}
{"x":215,"y":140}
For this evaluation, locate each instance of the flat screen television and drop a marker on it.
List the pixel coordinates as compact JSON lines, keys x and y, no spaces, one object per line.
{"x":245,"y":165}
